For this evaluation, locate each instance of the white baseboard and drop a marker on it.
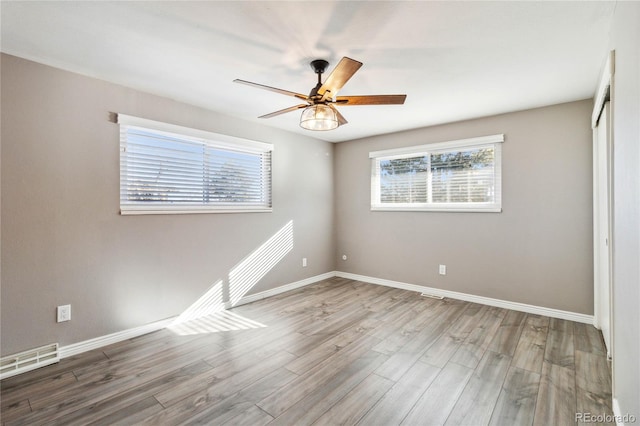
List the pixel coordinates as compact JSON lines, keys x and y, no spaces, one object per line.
{"x":620,"y":418}
{"x":287,"y":287}
{"x":616,"y":412}
{"x":98,"y":342}
{"x":95,"y":343}
{"x":516,"y":306}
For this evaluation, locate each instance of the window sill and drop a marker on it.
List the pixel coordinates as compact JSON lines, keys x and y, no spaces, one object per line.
{"x":145,"y":210}
{"x":436,"y":209}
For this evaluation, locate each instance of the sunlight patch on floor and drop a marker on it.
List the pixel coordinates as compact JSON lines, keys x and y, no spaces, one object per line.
{"x":216,"y":322}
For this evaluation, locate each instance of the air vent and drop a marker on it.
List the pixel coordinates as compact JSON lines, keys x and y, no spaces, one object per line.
{"x":433,"y":296}
{"x":28,"y":360}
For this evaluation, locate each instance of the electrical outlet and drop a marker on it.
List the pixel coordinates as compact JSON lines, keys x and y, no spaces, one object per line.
{"x":304,"y":262}
{"x":64,"y":313}
{"x":443,"y":269}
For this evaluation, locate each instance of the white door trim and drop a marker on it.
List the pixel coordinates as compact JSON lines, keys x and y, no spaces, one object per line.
{"x":606,"y":82}
{"x":600,"y":247}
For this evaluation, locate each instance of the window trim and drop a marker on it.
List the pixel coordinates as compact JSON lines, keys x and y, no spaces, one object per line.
{"x":211,"y":139}
{"x":494,"y":141}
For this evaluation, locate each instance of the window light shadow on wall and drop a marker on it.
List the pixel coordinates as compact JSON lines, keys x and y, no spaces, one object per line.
{"x":208,"y":314}
{"x":207,"y":304}
{"x":250,"y":271}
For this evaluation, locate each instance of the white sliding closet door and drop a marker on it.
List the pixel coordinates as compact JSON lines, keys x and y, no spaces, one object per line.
{"x":602,"y":224}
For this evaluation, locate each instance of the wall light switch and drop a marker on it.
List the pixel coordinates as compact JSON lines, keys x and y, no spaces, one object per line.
{"x":304,"y":262}
{"x":443,"y":269}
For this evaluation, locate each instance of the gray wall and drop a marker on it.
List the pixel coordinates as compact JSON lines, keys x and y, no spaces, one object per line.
{"x":625,"y":39}
{"x":64,"y":241}
{"x":537,"y":251}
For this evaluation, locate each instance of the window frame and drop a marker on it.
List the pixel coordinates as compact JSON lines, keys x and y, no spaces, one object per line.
{"x":493,"y":141}
{"x":190,"y":136}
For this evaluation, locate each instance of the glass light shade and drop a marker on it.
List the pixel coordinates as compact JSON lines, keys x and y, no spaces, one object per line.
{"x":318,"y":117}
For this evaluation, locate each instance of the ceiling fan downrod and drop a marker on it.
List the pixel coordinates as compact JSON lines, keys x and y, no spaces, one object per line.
{"x":319,"y":66}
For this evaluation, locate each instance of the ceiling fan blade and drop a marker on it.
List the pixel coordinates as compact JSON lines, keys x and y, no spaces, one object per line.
{"x":371,"y":100}
{"x":283,"y":111}
{"x":341,"y":119}
{"x":273,"y":89}
{"x":345,"y":69}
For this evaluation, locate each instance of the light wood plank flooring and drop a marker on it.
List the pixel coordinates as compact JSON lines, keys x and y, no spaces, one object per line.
{"x":337,"y":352}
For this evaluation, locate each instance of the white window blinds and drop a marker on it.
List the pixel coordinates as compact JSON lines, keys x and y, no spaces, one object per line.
{"x":462,"y":175}
{"x":172,"y":169}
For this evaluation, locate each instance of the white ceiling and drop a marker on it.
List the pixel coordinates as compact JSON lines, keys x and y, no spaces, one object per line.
{"x":454,"y":60}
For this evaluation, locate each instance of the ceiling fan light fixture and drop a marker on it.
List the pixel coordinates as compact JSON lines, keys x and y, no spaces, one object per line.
{"x":319,"y":117}
{"x":318,"y":112}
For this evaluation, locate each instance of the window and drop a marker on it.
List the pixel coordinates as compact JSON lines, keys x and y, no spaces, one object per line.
{"x":463,"y":175}
{"x":171,"y":169}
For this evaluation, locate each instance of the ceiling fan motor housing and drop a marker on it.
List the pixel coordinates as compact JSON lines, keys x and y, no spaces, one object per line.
{"x":319,"y":66}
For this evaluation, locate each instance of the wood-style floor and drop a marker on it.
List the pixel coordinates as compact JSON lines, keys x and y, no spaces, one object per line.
{"x":337,"y":352}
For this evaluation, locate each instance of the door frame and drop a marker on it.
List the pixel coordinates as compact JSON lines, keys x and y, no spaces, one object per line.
{"x":603,"y":94}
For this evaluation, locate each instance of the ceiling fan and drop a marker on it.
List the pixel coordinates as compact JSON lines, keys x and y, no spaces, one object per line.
{"x":320,"y":112}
